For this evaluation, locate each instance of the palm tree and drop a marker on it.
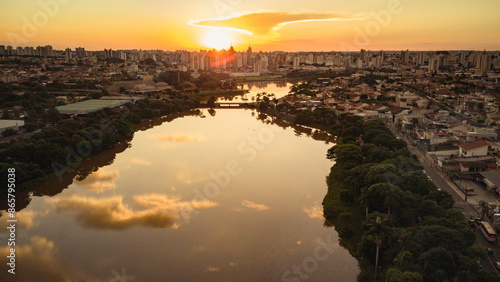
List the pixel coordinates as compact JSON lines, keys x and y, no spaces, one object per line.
{"x":365,"y":199}
{"x":484,"y":207}
{"x":392,"y":198}
{"x":379,"y":230}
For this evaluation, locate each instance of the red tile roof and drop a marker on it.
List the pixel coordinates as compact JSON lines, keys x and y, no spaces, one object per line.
{"x":473,"y":145}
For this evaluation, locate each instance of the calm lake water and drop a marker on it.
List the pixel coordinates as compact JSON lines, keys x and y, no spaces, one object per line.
{"x":278,"y":88}
{"x":211,"y":196}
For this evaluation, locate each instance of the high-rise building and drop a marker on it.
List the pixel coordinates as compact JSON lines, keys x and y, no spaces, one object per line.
{"x":195,"y":61}
{"x":496,"y":62}
{"x":483,"y":62}
{"x":122,"y":55}
{"x":108,"y":53}
{"x":296,"y":62}
{"x":420,"y":59}
{"x":443,"y":60}
{"x":28,"y":51}
{"x":405,"y":57}
{"x":348,"y":62}
{"x":434,"y":64}
{"x":47,"y":51}
{"x":364,"y":56}
{"x":244,"y":59}
{"x":80,"y":52}
{"x":261,"y":65}
{"x":20,"y":51}
{"x":2,"y":50}
{"x":239,"y":60}
{"x":68,"y":55}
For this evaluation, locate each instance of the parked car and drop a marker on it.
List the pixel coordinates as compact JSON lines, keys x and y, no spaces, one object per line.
{"x":469,"y":190}
{"x":497,"y":264}
{"x":490,"y":251}
{"x":472,"y":223}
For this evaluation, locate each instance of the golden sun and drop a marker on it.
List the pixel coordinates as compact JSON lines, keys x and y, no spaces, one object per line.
{"x":218,"y":39}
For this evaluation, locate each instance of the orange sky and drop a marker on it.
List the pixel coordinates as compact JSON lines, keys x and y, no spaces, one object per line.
{"x":266,"y":25}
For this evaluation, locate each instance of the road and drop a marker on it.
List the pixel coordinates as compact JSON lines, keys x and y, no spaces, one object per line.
{"x":469,"y":207}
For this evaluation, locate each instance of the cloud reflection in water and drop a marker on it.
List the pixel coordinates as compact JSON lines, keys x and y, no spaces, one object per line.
{"x":160,"y":211}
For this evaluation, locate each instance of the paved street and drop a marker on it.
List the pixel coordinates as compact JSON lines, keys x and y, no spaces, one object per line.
{"x":469,"y":207}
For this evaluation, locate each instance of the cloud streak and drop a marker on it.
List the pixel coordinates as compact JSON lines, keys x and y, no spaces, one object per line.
{"x":255,"y":206}
{"x":265,"y":24}
{"x":160,"y":211}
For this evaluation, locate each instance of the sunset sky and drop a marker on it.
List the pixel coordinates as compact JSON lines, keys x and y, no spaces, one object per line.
{"x":287,"y":25}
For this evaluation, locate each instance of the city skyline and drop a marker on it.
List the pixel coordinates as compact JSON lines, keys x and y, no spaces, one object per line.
{"x":267,"y":26}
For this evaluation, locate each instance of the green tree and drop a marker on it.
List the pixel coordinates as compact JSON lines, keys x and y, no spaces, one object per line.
{"x":395,"y":275}
{"x":53,"y":115}
{"x":211,"y":101}
{"x":484,"y":208}
{"x":8,"y":132}
{"x":393,"y":198}
{"x":348,"y":156}
{"x":429,"y":237}
{"x":382,"y":173}
{"x":438,"y":264}
{"x":379,"y":230}
{"x":6,"y":114}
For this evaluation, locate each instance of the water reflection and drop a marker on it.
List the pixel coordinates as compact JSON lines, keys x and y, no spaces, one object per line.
{"x":278,"y":88}
{"x":40,"y":259}
{"x":175,"y":138}
{"x":299,"y":130}
{"x":78,"y":173}
{"x":100,"y":181}
{"x":140,"y":199}
{"x":255,"y":206}
{"x":315,"y":211}
{"x":160,"y":211}
{"x":25,"y":219}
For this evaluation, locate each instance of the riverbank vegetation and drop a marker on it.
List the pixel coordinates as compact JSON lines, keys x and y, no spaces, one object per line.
{"x":61,"y":146}
{"x":389,"y":215}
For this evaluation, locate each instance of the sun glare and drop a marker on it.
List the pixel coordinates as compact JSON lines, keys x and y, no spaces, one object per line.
{"x":218,"y":39}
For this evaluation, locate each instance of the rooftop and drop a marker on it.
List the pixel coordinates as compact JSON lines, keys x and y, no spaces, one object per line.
{"x":474,"y":145}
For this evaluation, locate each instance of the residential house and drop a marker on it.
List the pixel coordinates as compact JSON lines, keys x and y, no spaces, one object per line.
{"x":474,"y":149}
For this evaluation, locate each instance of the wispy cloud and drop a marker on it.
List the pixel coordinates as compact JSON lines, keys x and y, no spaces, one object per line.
{"x":265,"y":23}
{"x":26,"y":219}
{"x":160,"y":211}
{"x":314,"y":211}
{"x":100,"y":181}
{"x":252,"y":205}
{"x":40,"y":259}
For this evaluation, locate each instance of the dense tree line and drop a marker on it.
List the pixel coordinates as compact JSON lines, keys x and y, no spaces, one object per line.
{"x":60,"y":147}
{"x":390,"y":215}
{"x":385,"y":209}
